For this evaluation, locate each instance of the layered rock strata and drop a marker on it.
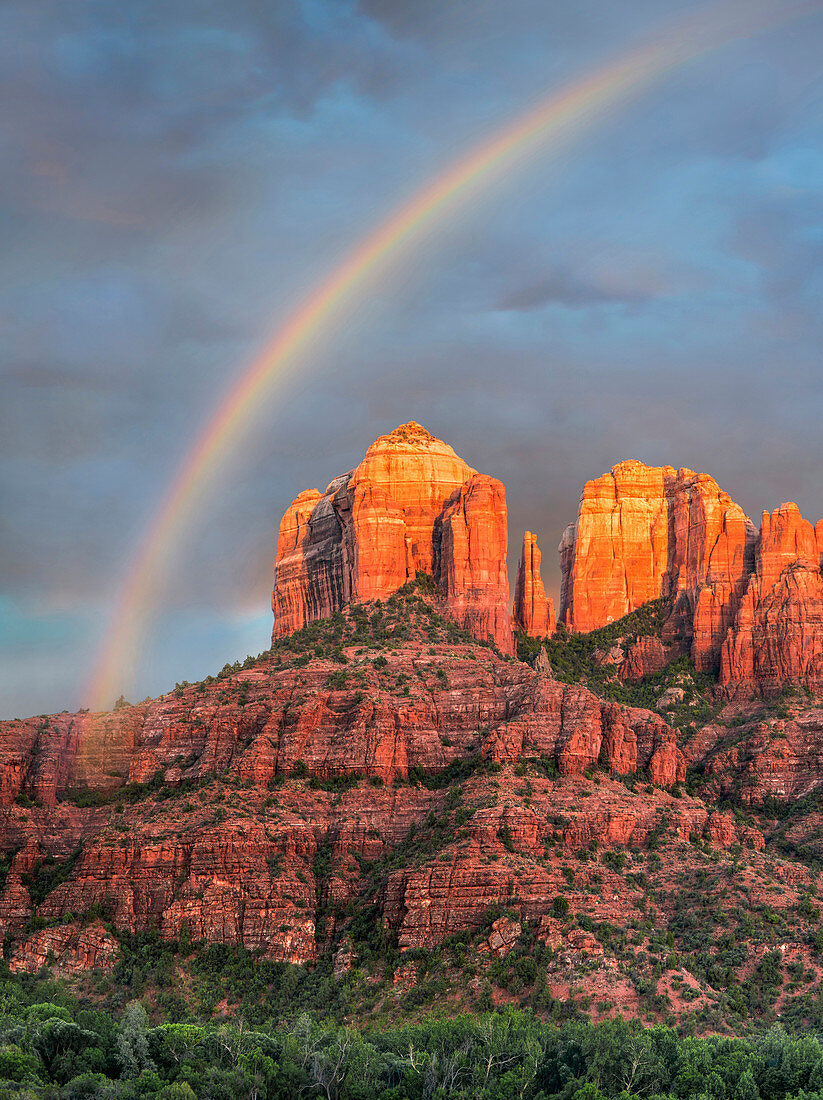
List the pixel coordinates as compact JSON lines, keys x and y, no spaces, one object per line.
{"x":765,"y":758}
{"x":777,"y":634}
{"x":533,"y":612}
{"x":211,"y":858}
{"x":412,"y":505}
{"x":746,"y":603}
{"x":646,"y":532}
{"x":470,"y":539}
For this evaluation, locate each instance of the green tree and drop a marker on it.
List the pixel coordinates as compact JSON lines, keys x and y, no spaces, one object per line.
{"x":177,"y":1090}
{"x":132,"y":1043}
{"x":17,"y":1064}
{"x":746,"y":1087}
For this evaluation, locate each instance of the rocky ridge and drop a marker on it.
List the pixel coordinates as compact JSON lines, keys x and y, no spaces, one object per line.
{"x":627,"y":803}
{"x":299,"y":753}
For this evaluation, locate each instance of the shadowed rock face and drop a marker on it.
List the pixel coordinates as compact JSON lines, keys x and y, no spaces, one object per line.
{"x":412,"y":505}
{"x":533,"y":611}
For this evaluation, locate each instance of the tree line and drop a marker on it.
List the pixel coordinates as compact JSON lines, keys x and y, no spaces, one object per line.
{"x":74,"y":1050}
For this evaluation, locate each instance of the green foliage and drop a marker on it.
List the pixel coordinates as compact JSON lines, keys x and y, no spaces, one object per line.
{"x":131,"y":792}
{"x":291,"y":1041}
{"x":567,"y":649}
{"x":426,"y":584}
{"x":504,"y":835}
{"x":573,"y":661}
{"x":412,"y":612}
{"x":335,"y":783}
{"x":615,"y":860}
{"x":48,"y":875}
{"x":456,"y":772}
{"x":337,"y":680}
{"x":560,"y":907}
{"x":26,"y":802}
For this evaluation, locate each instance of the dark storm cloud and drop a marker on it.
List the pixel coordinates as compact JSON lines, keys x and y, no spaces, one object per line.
{"x":569,"y":290}
{"x":784,"y":241}
{"x":178,"y":175}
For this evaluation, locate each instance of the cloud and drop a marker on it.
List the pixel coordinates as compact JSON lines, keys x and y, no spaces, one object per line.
{"x":781,"y":237}
{"x":179,"y":175}
{"x":567,"y":289}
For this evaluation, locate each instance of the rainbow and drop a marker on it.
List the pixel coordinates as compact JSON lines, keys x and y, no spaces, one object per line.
{"x":563,"y":114}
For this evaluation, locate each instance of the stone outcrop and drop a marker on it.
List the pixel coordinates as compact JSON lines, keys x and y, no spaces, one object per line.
{"x":533,"y":611}
{"x":417,"y":710}
{"x":427,"y":904}
{"x":70,"y":947}
{"x":646,"y":656}
{"x":616,"y":556}
{"x":470,"y":562}
{"x":767,"y":757}
{"x":410,"y":506}
{"x":749,"y":604}
{"x":651,"y":532}
{"x":777,"y":634}
{"x":263,"y":806}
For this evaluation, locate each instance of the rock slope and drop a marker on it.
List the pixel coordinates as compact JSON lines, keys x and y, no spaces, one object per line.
{"x":228,"y":790}
{"x":389,"y":766}
{"x":777,"y":634}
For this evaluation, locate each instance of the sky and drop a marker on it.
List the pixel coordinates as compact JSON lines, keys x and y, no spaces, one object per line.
{"x":179,"y":174}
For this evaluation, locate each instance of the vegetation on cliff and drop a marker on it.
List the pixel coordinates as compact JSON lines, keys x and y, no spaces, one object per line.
{"x":593,"y":659}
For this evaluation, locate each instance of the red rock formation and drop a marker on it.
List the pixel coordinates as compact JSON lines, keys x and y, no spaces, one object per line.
{"x":765,"y":758}
{"x":616,"y":557}
{"x":72,"y":947}
{"x":646,"y":656}
{"x":777,"y":634}
{"x":719,"y":541}
{"x":420,"y":473}
{"x":429,"y":903}
{"x":645,"y":532}
{"x":374,"y":528}
{"x":749,"y":604}
{"x":309,"y":567}
{"x":471,"y":559}
{"x":533,"y":612}
{"x":785,"y":537}
{"x":569,"y":724}
{"x":215,"y":861}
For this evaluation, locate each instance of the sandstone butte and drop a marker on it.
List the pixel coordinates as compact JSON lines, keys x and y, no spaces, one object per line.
{"x":745,"y":602}
{"x":412,"y":505}
{"x":533,"y":611}
{"x":253,"y":808}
